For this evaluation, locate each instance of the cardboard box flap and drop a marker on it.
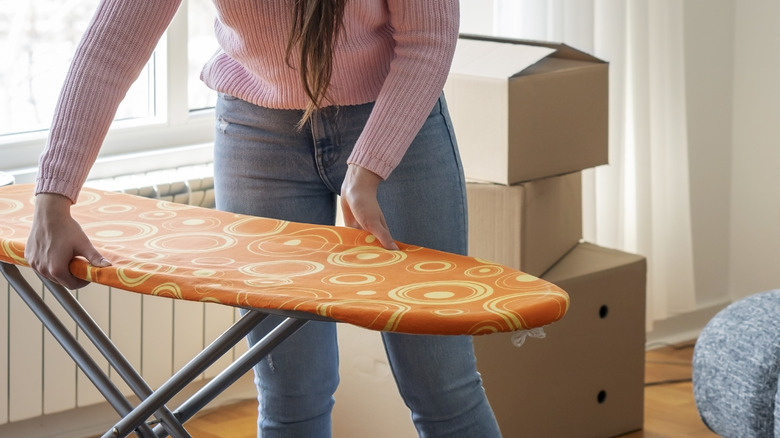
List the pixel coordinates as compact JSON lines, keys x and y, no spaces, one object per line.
{"x":495,"y":60}
{"x":560,"y":50}
{"x":588,"y":258}
{"x":556,"y":66}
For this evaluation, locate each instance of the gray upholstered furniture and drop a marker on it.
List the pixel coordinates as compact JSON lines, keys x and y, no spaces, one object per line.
{"x":736,"y":365}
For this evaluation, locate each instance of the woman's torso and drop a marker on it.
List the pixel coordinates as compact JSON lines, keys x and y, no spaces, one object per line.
{"x":252,"y":62}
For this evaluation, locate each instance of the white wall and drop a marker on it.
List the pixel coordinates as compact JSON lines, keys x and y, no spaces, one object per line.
{"x":476,"y":17}
{"x":733,"y":85}
{"x":755,"y":186}
{"x":709,"y":54}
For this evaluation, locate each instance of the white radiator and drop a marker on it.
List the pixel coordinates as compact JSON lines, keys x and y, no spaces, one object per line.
{"x":193,"y":185}
{"x":158,"y":335}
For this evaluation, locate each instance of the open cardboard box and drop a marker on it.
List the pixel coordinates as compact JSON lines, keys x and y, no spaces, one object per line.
{"x":524,"y":110}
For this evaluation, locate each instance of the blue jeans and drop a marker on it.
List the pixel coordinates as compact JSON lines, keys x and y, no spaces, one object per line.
{"x":265,"y":167}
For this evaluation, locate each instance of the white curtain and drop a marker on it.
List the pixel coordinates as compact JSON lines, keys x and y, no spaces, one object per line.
{"x":639,"y":202}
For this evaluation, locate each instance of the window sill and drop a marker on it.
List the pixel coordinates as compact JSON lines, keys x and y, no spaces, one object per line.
{"x":129,"y":147}
{"x":139,"y":162}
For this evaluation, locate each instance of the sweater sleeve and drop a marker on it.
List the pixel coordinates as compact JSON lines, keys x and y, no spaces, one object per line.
{"x":111,"y":54}
{"x":425,"y":35}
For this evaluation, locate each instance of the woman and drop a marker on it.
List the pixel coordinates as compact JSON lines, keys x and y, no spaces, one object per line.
{"x":316,"y":98}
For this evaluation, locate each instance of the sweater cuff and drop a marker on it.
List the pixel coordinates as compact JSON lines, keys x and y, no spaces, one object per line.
{"x":64,"y":188}
{"x":372,"y":163}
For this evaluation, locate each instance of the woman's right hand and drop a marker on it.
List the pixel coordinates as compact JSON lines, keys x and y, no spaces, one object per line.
{"x":360,"y":207}
{"x":56,"y":239}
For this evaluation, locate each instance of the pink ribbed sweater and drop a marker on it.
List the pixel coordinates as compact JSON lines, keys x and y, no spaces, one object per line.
{"x":396,"y":53}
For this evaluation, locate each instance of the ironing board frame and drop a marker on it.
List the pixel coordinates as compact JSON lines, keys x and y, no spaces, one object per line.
{"x":133,"y":418}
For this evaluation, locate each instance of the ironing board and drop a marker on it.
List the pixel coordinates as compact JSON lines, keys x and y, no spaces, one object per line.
{"x":300,"y":271}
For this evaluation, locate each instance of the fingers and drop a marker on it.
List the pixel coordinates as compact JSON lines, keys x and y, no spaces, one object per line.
{"x":60,"y":273}
{"x":360,"y":207}
{"x":346,"y":212}
{"x":94,"y":257}
{"x":382,"y":233}
{"x":62,"y":276}
{"x":371,"y":220}
{"x":55,"y":266}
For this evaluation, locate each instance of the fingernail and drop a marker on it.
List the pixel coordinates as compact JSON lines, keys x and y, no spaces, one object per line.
{"x":104,"y":263}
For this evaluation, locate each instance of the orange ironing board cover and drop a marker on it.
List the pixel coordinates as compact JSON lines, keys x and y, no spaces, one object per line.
{"x":192,"y":253}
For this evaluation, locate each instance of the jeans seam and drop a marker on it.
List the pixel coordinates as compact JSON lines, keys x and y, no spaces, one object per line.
{"x":461,"y":171}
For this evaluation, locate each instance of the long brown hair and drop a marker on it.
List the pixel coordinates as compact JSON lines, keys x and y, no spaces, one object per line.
{"x":316,"y":25}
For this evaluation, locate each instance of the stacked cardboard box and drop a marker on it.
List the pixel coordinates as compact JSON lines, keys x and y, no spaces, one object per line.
{"x":529,"y":117}
{"x":527,"y":226}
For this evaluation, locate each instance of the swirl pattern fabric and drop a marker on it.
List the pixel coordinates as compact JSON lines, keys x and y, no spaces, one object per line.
{"x":192,"y":253}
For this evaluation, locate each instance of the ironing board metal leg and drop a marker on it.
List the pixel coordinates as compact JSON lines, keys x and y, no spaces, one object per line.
{"x":79,"y":355}
{"x":133,"y":419}
{"x":239,"y":367}
{"x":187,"y":374}
{"x":117,"y":360}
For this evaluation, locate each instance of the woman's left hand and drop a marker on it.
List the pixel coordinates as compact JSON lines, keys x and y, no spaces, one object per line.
{"x":360,"y":207}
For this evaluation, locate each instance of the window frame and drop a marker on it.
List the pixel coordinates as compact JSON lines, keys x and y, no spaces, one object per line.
{"x":172,"y":128}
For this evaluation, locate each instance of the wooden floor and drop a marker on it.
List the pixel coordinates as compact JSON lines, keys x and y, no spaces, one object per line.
{"x":669,"y":407}
{"x":670,"y":411}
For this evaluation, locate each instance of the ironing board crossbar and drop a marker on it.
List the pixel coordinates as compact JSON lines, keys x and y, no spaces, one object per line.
{"x":241,"y":366}
{"x":188,"y":373}
{"x":227,"y":377}
{"x":79,"y":355}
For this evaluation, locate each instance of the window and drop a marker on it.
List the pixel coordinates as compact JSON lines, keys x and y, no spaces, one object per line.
{"x":167,"y":106}
{"x":40,"y":38}
{"x":201,"y":47}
